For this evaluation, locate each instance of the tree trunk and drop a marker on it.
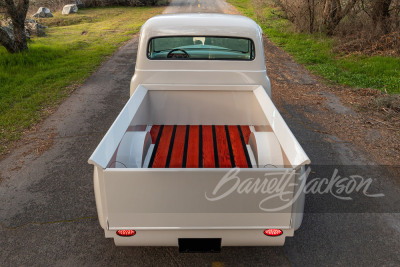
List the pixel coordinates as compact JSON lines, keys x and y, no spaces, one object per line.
{"x":311,"y":14}
{"x":20,"y":41}
{"x":331,"y":10}
{"x":381,"y":15}
{"x":17,"y":13}
{"x":334,"y":13}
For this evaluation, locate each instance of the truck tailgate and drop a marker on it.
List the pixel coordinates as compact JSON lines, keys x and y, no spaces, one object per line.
{"x":199,"y":198}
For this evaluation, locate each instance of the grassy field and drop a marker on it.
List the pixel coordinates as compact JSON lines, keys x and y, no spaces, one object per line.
{"x":75,"y":45}
{"x":315,"y":52}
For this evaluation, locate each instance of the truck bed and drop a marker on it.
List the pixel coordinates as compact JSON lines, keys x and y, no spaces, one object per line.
{"x":200,"y":146}
{"x":165,"y":167}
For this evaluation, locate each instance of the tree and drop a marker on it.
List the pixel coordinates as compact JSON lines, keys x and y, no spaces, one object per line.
{"x":381,"y":15}
{"x":311,"y":14}
{"x":334,"y":13}
{"x":16,"y":40}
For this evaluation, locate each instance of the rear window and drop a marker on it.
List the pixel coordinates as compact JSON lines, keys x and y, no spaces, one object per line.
{"x":200,"y":47}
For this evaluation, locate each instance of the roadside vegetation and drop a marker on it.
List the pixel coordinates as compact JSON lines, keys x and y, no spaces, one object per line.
{"x":352,"y":52}
{"x":57,"y":5}
{"x":34,"y":81}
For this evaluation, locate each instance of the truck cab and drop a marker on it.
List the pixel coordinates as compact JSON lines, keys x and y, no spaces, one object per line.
{"x":204,"y":49}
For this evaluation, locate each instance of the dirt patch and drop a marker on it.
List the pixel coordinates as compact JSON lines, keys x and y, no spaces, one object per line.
{"x":31,"y":137}
{"x":366,"y":118}
{"x":385,"y":45}
{"x":40,"y":144}
{"x":31,"y":146}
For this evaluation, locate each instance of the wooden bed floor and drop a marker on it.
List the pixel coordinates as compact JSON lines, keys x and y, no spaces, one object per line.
{"x":200,"y":146}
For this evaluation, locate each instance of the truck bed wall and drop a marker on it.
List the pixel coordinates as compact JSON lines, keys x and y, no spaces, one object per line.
{"x":195,"y":107}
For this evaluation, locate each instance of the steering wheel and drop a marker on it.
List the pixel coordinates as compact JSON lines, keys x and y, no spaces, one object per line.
{"x":172,"y":54}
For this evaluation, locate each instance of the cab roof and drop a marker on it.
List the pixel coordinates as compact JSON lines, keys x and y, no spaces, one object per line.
{"x":201,"y":25}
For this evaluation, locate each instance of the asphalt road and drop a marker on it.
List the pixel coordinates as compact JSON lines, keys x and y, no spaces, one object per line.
{"x":47,"y":208}
{"x":199,"y":6}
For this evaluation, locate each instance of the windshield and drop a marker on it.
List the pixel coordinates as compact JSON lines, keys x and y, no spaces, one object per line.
{"x":201,"y":47}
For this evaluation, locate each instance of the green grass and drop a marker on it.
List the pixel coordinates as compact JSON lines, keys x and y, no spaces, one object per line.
{"x":74,"y":47}
{"x":315,"y":52}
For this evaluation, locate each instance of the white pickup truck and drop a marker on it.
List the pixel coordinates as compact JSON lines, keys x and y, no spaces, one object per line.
{"x":199,"y":157}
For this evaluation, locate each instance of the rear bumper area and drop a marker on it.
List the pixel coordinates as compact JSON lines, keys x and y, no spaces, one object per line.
{"x":229,"y":237}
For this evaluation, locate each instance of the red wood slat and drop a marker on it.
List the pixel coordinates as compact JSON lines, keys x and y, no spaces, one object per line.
{"x":222,"y":145}
{"x":179,"y":145}
{"x":192,"y":160}
{"x":208,"y":147}
{"x":237,"y":147}
{"x":162,"y":151}
{"x":246,"y":133}
{"x":154,"y":132}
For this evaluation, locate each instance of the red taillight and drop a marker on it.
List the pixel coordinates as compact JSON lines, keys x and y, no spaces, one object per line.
{"x":273,"y":232}
{"x":126,"y":232}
